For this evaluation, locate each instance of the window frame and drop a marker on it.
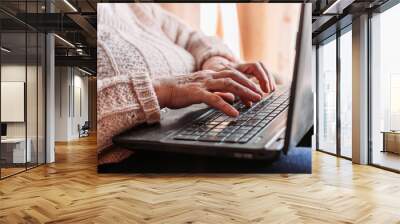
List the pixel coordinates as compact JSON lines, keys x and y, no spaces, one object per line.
{"x":31,"y":30}
{"x":339,"y":32}
{"x":378,"y":10}
{"x":334,"y":37}
{"x":343,"y":31}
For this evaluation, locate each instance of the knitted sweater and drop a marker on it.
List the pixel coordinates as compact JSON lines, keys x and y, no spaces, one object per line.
{"x":137,"y":43}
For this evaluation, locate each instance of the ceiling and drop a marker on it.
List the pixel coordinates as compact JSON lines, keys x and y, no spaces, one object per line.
{"x":332,"y":15}
{"x":19,"y":54}
{"x":72,"y":20}
{"x":75,"y":21}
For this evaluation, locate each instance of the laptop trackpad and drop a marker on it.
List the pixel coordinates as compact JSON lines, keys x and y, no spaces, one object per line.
{"x":171,"y":120}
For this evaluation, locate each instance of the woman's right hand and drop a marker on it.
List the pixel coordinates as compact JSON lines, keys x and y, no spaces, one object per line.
{"x":215,"y":89}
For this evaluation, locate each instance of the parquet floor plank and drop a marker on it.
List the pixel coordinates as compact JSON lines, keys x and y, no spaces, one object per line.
{"x":71,"y":191}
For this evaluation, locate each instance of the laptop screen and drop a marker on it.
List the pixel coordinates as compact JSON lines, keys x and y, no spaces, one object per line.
{"x":300,"y":117}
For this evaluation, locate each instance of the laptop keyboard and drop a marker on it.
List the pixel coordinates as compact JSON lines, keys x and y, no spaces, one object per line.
{"x":218,"y":127}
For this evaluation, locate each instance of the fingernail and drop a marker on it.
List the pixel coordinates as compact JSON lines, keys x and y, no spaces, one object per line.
{"x":248,"y":104}
{"x":235,"y":113}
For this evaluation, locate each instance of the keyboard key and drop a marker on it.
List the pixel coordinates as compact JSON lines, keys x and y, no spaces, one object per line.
{"x":239,"y":123}
{"x":221,"y":126}
{"x":226,"y":131}
{"x":261,"y":124}
{"x":223,"y":134}
{"x":212,"y":133}
{"x":259,"y":116}
{"x":220,"y":119}
{"x":232,"y":138}
{"x":203,"y":128}
{"x":187,"y":132}
{"x":216,"y":126}
{"x":242,"y":141}
{"x":186,"y":137}
{"x":240,"y":131}
{"x":243,"y":118}
{"x":245,"y":138}
{"x":252,"y":132}
{"x":216,"y":129}
{"x":251,"y":122}
{"x":212,"y":123}
{"x":209,"y":126}
{"x":210,"y":138}
{"x":199,"y":133}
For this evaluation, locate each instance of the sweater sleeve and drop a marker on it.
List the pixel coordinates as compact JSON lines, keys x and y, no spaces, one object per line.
{"x":125,"y":95}
{"x":202,"y":47}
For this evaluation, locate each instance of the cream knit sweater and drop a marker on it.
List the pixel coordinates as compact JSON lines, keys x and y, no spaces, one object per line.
{"x":136,"y":43}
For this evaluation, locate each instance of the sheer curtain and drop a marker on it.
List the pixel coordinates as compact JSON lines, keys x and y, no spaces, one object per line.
{"x":254,"y":31}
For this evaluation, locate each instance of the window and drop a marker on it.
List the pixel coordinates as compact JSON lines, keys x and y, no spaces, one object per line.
{"x":327,"y":96}
{"x":385,"y":89}
{"x":22,"y":77}
{"x":220,"y":19}
{"x":346,"y":93}
{"x":14,"y":153}
{"x":335,"y":74}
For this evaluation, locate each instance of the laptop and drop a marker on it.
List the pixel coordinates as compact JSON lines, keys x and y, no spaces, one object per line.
{"x":262,"y":132}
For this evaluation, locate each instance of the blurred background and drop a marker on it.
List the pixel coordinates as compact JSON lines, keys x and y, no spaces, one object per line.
{"x":254,"y":32}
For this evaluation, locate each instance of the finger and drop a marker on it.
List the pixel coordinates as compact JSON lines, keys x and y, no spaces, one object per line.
{"x":248,"y":104}
{"x":229,"y":97}
{"x":240,"y":78}
{"x":271,"y":79}
{"x":263,"y":76}
{"x":256,"y":70}
{"x":229,"y":85}
{"x":215,"y":101}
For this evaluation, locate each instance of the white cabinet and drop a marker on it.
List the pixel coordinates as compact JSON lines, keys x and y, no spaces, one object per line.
{"x":391,"y":141}
{"x":13,"y":150}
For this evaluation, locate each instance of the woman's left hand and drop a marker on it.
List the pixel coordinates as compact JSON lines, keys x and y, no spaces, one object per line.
{"x":252,"y":69}
{"x":257,"y":70}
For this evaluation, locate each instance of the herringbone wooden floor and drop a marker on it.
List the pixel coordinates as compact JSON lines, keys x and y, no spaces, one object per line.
{"x":70,"y":191}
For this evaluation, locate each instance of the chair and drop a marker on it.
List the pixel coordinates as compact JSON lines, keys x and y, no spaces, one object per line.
{"x":84,"y":130}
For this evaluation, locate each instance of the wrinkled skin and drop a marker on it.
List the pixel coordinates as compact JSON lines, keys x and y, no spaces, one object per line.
{"x":217,"y":87}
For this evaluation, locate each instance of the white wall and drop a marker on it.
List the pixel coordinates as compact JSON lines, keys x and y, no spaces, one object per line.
{"x":12,"y":73}
{"x":69,"y":82}
{"x":79,"y":117}
{"x":62,"y":81}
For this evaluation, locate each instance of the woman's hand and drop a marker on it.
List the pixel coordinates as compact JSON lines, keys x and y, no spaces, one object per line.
{"x":215,"y":89}
{"x":252,"y":69}
{"x":258,"y":70}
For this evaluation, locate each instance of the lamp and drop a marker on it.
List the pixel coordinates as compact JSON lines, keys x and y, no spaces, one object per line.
{"x":84,"y":71}
{"x":337,"y":7}
{"x":70,"y":5}
{"x":5,"y":50}
{"x":65,"y":41}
